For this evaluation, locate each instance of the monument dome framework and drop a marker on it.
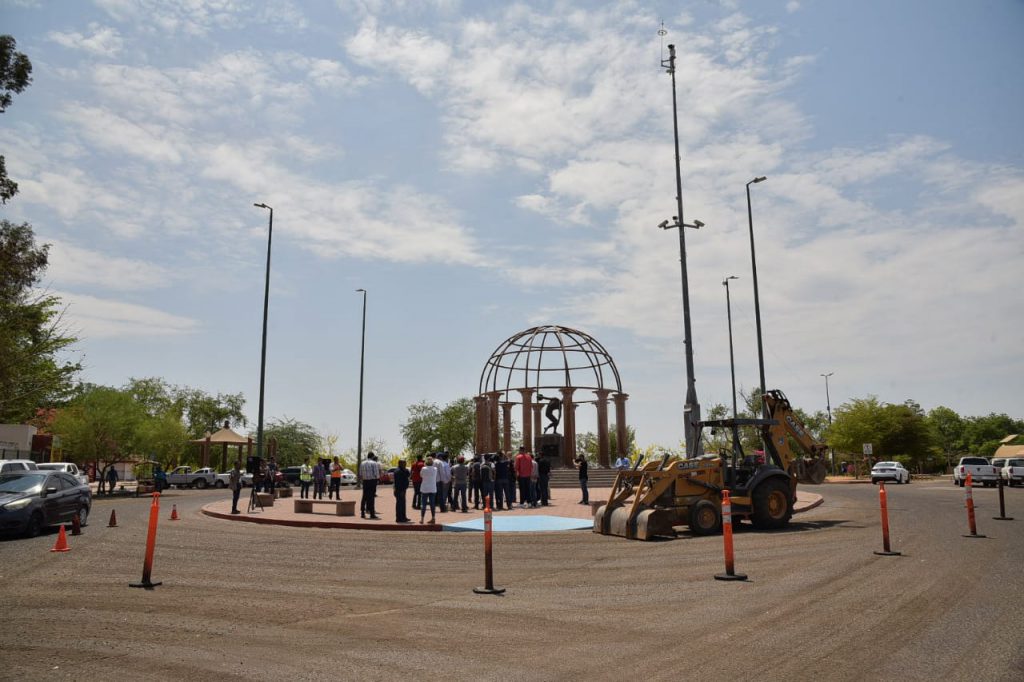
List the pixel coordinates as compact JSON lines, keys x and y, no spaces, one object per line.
{"x":560,"y":361}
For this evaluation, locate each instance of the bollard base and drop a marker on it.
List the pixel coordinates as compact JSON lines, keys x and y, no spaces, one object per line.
{"x":489,"y":590}
{"x":1002,"y":518}
{"x":145,"y":586}
{"x":975,"y":535}
{"x":889,"y":553}
{"x":730,"y":576}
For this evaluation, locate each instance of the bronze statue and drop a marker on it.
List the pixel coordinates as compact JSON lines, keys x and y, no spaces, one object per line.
{"x":554,"y":405}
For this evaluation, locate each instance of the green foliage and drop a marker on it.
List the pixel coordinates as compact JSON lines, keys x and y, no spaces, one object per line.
{"x":15,"y":76}
{"x":586,"y":444}
{"x":982,"y":434}
{"x":102,"y":423}
{"x":452,"y":427}
{"x":892,"y":430}
{"x":296,"y":441}
{"x":31,"y":331}
{"x":201,"y":412}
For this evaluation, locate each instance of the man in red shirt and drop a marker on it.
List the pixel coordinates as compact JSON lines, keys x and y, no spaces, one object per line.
{"x":416,"y":480}
{"x":524,"y":470}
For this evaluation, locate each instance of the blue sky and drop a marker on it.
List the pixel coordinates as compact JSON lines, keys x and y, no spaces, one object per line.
{"x":484,"y":167}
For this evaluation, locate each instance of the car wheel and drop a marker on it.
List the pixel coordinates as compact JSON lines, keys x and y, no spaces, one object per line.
{"x":34,"y":526}
{"x":874,"y":481}
{"x":220,"y":484}
{"x":83,"y":517}
{"x":200,"y":483}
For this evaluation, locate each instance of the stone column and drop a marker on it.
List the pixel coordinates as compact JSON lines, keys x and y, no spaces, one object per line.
{"x":527,"y":394}
{"x":537,"y":431}
{"x":493,"y":398}
{"x":603,"y":444}
{"x":568,"y":427}
{"x":506,"y":427}
{"x":621,"y":432}
{"x":481,"y":424}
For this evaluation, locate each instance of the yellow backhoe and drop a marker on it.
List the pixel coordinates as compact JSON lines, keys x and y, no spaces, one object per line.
{"x":652,"y":500}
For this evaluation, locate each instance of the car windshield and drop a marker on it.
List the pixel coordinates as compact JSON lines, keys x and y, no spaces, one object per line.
{"x":21,"y":483}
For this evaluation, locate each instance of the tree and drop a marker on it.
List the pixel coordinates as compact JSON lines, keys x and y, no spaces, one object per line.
{"x":982,"y":434}
{"x":32,"y":334}
{"x":202,"y":413}
{"x":451,"y":427}
{"x":892,"y":430}
{"x":102,"y":423}
{"x":15,"y":76}
{"x":296,"y":440}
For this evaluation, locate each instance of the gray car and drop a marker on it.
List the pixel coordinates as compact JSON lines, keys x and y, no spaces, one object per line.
{"x":32,"y":500}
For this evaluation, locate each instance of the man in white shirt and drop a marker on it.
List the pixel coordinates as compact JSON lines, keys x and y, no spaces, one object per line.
{"x":444,"y":480}
{"x":369,"y":473}
{"x":622,"y":463}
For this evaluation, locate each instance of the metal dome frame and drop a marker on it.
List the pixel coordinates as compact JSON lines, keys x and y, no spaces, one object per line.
{"x":523,"y":354}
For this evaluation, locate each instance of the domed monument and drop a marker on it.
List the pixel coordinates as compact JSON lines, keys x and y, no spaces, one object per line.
{"x":549,"y":370}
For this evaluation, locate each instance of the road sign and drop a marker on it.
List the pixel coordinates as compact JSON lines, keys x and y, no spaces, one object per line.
{"x":867,"y":448}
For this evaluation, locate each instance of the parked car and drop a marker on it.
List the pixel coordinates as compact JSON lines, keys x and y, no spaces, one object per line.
{"x":1013,"y":471}
{"x":979,"y":468}
{"x":30,"y":500}
{"x":69,"y":468}
{"x":291,"y":474}
{"x":889,"y":471}
{"x":13,"y":465}
{"x":185,"y":477}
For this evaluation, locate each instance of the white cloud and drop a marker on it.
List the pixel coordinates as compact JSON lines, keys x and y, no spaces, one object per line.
{"x":71,"y":265}
{"x":105,"y":41}
{"x":100,"y":318}
{"x":792,"y":6}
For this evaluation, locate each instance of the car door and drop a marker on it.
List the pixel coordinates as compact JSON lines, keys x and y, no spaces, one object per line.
{"x":53,"y":499}
{"x":74,"y":495}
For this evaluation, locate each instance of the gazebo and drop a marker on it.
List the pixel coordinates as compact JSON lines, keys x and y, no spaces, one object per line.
{"x":224,"y":437}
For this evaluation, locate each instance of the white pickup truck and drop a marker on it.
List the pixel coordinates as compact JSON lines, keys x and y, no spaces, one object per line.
{"x":1013,"y":471}
{"x":185,"y":477}
{"x":979,"y":468}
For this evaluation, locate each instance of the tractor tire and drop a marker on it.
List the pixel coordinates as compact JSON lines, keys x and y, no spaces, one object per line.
{"x":772,"y":507}
{"x":705,"y":518}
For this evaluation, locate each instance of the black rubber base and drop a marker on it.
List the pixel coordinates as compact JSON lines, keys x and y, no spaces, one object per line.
{"x":979,"y":535}
{"x":730,"y":576}
{"x":145,"y":586}
{"x":493,"y":590}
{"x":1002,"y":518}
{"x":889,"y":553}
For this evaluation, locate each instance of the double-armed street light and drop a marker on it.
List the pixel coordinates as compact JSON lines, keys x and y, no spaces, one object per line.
{"x":691,"y":410}
{"x":757,"y":299}
{"x":263,"y":347}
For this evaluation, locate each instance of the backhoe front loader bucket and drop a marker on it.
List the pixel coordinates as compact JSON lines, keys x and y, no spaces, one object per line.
{"x":652,"y":522}
{"x":812,"y":472}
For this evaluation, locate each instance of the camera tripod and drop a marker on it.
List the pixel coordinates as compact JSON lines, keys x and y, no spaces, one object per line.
{"x":254,"y":498}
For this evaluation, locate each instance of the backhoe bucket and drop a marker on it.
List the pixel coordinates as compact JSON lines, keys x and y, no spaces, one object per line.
{"x":652,"y":522}
{"x":620,"y":523}
{"x":811,"y":472}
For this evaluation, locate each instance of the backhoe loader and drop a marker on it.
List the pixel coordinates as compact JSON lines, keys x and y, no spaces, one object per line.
{"x":652,"y":500}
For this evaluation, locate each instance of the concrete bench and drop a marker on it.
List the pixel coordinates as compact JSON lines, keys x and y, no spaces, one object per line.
{"x":341,"y":508}
{"x":282,"y":492}
{"x":266,"y":499}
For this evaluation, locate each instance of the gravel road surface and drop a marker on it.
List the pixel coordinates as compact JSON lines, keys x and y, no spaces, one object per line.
{"x":255,"y":602}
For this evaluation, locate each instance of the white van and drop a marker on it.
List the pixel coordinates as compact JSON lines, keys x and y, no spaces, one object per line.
{"x":68,"y":468}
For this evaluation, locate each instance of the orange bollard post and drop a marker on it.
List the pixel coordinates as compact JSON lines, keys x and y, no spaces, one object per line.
{"x":969,"y":497}
{"x":62,"y":541}
{"x":1002,"y":505}
{"x":174,"y":512}
{"x":147,"y":566}
{"x":730,"y":572}
{"x":488,"y":587}
{"x":113,"y":520}
{"x":886,"y":550}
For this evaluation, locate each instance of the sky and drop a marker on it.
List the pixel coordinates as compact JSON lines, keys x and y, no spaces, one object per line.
{"x":481,"y":168}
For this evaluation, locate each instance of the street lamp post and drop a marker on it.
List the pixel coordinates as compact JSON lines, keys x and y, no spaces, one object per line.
{"x":362,"y":357}
{"x":732,"y":361}
{"x":757,"y":299}
{"x":828,"y":406}
{"x":691,"y":410}
{"x":263,"y":348}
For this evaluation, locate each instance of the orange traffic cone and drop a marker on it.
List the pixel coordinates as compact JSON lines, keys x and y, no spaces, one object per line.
{"x":113,"y":520}
{"x":62,"y":542}
{"x":174,"y":512}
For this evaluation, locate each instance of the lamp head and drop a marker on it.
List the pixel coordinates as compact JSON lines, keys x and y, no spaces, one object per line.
{"x":663,"y":224}
{"x":759,"y":179}
{"x":261,"y":206}
{"x":362,"y":290}
{"x":698,"y":224}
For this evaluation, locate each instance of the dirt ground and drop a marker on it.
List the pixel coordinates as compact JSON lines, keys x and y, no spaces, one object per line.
{"x":247,"y":601}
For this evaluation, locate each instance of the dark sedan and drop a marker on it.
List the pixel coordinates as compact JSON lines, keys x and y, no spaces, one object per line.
{"x":31,"y":500}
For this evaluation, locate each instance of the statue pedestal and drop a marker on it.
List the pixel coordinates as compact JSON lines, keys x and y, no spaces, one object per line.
{"x":549,"y":446}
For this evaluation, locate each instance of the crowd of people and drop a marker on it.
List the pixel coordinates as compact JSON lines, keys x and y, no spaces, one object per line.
{"x":441,"y":481}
